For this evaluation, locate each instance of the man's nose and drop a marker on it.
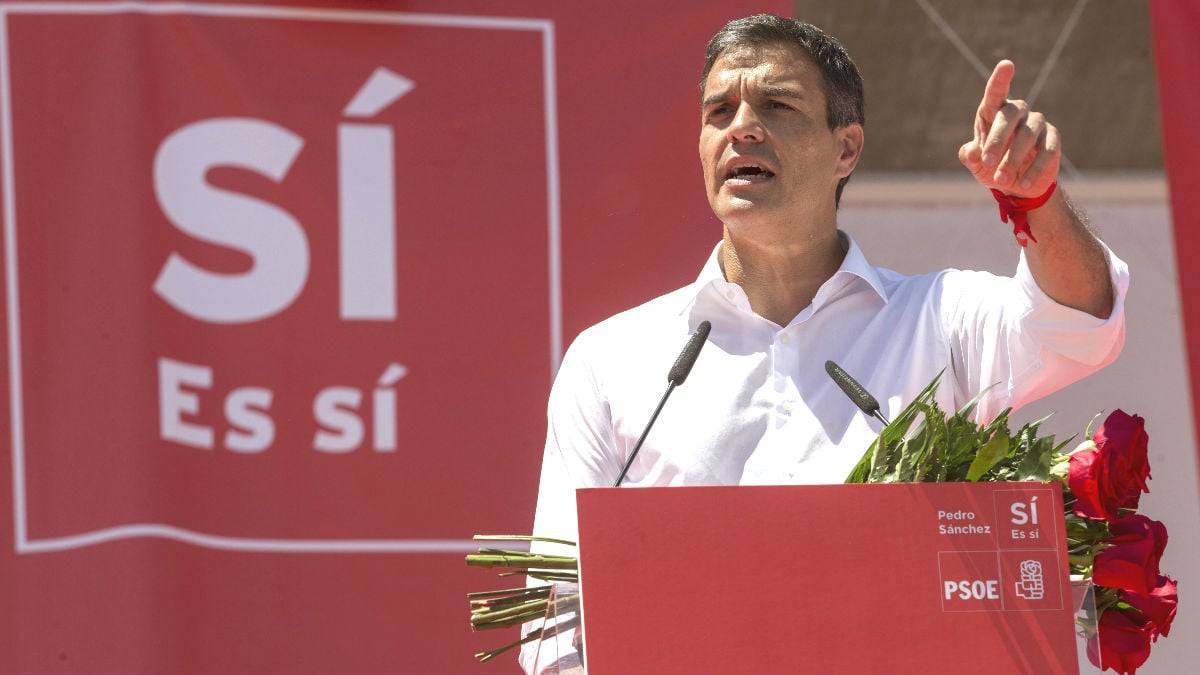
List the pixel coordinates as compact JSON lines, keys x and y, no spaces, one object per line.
{"x":746,"y":126}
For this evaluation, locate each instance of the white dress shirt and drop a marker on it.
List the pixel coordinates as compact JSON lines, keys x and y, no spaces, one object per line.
{"x":758,"y":407}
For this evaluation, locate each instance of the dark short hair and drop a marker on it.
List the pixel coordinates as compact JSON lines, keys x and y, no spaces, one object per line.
{"x":840,"y":77}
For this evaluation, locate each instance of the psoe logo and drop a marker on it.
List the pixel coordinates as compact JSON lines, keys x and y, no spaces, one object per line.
{"x":1032,"y":584}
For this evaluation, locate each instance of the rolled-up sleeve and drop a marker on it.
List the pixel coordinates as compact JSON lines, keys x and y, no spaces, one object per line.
{"x":1007,"y":334}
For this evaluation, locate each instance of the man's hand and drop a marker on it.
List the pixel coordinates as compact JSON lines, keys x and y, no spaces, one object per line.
{"x":1015,"y":151}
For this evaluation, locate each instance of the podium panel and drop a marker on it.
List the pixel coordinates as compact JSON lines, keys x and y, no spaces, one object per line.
{"x":896,"y":579}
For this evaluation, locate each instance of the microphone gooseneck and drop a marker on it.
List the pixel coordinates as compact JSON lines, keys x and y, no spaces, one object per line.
{"x":676,"y":376}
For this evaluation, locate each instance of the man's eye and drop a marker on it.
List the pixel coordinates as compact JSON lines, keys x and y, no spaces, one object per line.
{"x":718,"y":111}
{"x":780,"y":105}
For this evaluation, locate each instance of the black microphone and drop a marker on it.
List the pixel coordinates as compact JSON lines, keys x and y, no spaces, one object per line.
{"x":855,"y":391}
{"x":679,"y":372}
{"x":687,"y":357}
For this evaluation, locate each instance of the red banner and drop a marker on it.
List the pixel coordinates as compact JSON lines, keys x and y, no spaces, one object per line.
{"x":1177,"y":56}
{"x":277,"y":259}
{"x":285,"y":288}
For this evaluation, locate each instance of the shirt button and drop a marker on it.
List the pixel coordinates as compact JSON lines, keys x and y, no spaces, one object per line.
{"x":788,"y":406}
{"x":783,"y":338}
{"x":730,"y":294}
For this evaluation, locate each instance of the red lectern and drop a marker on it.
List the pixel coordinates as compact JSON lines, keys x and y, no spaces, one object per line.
{"x":898,"y":579}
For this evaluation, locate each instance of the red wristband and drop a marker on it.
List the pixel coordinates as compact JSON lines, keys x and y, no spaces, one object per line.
{"x":1014,"y":209}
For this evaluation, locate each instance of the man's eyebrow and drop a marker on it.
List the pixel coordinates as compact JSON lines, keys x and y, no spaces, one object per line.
{"x":769,"y":91}
{"x":713,"y":98}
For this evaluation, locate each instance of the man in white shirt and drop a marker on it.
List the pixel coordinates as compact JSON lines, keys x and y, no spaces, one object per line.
{"x":785,"y":290}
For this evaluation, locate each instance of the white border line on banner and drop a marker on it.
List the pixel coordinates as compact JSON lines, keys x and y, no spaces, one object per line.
{"x":20,"y":531}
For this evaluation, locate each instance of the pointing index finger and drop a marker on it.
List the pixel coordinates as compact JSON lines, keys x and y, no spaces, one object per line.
{"x":995,"y":94}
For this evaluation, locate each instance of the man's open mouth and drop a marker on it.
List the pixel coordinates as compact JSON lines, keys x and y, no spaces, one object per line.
{"x":749,"y":173}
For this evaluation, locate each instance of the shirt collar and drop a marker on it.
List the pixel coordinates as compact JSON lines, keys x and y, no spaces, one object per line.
{"x":854,"y":265}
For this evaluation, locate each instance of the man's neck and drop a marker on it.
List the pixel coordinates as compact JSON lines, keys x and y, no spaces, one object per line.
{"x":781,"y":280}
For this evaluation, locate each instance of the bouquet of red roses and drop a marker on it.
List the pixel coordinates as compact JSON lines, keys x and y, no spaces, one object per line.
{"x":1118,"y":548}
{"x":1108,"y":541}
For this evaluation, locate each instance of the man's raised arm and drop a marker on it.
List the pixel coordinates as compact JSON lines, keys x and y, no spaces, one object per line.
{"x":1016,"y":151}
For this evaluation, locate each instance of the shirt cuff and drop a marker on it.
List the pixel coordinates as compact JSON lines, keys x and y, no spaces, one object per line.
{"x":1073,"y":333}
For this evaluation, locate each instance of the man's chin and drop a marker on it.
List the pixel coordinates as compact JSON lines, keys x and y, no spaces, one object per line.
{"x":729,"y":209}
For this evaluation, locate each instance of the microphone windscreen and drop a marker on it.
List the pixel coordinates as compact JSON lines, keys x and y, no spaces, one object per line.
{"x":687,"y":358}
{"x":861,"y":397}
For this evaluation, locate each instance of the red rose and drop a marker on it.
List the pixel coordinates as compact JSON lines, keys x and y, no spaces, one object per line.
{"x":1124,"y":644}
{"x":1155,"y":609}
{"x":1131,"y":560}
{"x":1084,"y":477}
{"x":1113,"y":476}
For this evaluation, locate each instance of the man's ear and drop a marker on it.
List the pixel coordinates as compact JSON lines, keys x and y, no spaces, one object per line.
{"x":850,"y":140}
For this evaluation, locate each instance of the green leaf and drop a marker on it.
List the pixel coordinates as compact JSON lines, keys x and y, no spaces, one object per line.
{"x":992,"y":452}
